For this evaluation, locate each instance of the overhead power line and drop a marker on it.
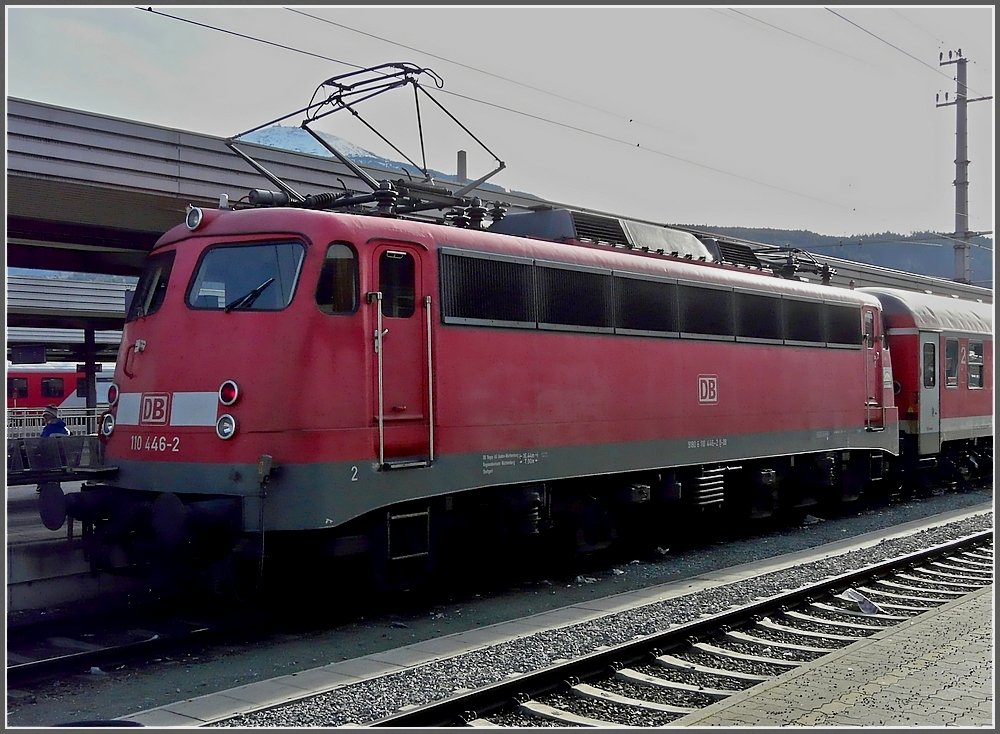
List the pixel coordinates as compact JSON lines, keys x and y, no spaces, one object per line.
{"x":892,"y":45}
{"x":149,"y":9}
{"x":522,"y":113}
{"x":464,"y":66}
{"x":791,"y":33}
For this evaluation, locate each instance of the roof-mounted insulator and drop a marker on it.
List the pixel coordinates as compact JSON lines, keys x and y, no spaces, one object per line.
{"x":385,"y":197}
{"x":476,"y":213}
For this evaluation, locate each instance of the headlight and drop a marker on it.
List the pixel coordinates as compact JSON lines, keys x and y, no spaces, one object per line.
{"x":112,"y":394}
{"x":193,"y":218}
{"x":107,"y":424}
{"x":225,"y":427}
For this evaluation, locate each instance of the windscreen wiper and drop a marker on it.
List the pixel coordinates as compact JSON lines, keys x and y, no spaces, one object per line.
{"x":245,"y":301}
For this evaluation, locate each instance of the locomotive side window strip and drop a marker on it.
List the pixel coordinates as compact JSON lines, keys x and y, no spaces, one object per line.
{"x":758,"y":317}
{"x":951,"y":363}
{"x":485,"y":289}
{"x":573,"y":298}
{"x":246,"y":277}
{"x":337,"y":290}
{"x":645,"y":306}
{"x":490,"y":291}
{"x":152,"y":286}
{"x":706,"y":312}
{"x":975,"y":376}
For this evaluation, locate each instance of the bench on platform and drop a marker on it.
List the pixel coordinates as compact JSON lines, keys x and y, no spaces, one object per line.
{"x":56,"y":458}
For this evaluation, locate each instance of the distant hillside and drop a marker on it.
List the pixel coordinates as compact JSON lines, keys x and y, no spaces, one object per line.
{"x":923,"y":253}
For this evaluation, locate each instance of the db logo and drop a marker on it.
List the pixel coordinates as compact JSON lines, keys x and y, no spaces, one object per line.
{"x":155,"y":408}
{"x":708,"y":388}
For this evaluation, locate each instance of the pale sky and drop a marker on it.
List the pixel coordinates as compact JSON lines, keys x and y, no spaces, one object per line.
{"x":808,"y":117}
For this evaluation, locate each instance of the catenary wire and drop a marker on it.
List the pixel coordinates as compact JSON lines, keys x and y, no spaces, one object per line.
{"x":539,"y":118}
{"x":790,"y":33}
{"x":892,"y":45}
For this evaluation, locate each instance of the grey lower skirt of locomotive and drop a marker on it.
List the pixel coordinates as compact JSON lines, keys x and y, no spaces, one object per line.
{"x":129,"y":531}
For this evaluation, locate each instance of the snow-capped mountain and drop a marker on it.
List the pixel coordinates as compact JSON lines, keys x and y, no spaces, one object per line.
{"x":296,"y":139}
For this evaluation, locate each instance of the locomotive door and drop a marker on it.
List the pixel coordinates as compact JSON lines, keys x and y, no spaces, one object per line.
{"x":929,"y":410}
{"x":401,"y":318}
{"x":874,"y":410}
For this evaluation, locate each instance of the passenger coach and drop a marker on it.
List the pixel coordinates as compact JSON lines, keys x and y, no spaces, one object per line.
{"x":943,"y":364}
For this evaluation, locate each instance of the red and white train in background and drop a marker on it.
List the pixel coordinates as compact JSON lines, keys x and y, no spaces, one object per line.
{"x":54,"y":383}
{"x":300,"y":384}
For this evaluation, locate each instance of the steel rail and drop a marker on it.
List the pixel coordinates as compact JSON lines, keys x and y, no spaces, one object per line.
{"x":467,"y":706}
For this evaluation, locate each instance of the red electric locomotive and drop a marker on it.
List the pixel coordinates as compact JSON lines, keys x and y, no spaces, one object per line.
{"x":377,"y":386}
{"x":942,"y":351}
{"x":333,"y":376}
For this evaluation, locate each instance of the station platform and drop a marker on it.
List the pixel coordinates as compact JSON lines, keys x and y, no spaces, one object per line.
{"x":933,"y":670}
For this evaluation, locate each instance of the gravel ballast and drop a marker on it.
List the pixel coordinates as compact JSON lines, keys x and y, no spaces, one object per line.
{"x":374,"y":699}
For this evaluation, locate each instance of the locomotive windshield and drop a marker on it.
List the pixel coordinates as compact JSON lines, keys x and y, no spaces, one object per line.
{"x":258,"y":277}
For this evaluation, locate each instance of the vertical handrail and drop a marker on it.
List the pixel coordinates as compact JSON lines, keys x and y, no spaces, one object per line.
{"x":376,"y":298}
{"x":430,"y":383}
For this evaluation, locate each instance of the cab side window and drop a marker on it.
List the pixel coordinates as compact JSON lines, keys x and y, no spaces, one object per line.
{"x":337,"y":290}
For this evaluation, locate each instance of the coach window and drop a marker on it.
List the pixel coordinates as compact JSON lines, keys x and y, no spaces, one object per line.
{"x":951,"y":363}
{"x":53,"y":387}
{"x":930,"y":364}
{"x":17,"y":387}
{"x":396,"y":278}
{"x":975,"y":365}
{"x":337,"y":290}
{"x":152,"y":286}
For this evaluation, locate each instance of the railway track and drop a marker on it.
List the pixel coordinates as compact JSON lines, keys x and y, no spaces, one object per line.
{"x":40,"y":653}
{"x":663,"y":677}
{"x":115,"y":637}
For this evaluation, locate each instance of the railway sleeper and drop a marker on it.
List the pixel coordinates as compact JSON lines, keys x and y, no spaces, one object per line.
{"x":764,"y":642}
{"x":768,"y":623}
{"x":534,"y":708}
{"x":634,"y":676}
{"x":584,"y":690}
{"x":669,"y":661}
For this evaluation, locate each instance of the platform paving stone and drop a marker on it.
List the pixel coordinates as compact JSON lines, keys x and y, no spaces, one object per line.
{"x":933,"y":670}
